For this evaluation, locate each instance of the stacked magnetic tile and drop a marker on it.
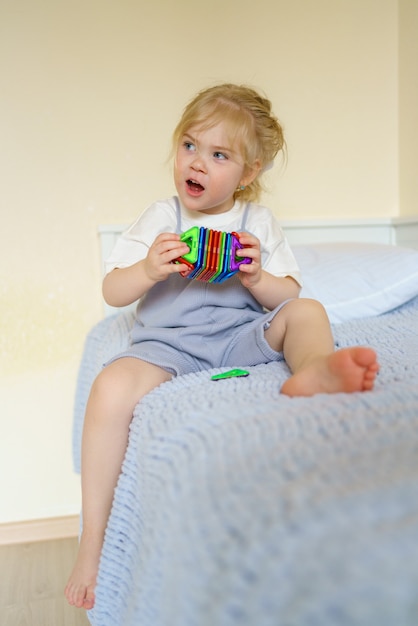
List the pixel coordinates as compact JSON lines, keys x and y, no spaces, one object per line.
{"x":212,"y":256}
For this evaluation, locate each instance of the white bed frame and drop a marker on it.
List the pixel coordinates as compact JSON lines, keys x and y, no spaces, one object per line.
{"x":399,"y":231}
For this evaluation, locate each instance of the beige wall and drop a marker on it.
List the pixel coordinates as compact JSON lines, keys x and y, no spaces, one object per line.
{"x":90,"y":92}
{"x":408,"y":106}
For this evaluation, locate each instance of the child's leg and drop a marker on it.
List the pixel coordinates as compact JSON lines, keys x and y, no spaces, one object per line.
{"x":302,"y":331}
{"x":112,"y":400}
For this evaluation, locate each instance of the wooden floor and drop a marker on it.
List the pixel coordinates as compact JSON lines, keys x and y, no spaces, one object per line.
{"x":32,"y":581}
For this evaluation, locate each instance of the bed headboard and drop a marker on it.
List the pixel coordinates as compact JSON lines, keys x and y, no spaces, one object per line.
{"x":394,"y":231}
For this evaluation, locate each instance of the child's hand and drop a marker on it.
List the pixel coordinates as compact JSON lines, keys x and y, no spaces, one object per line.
{"x":249,"y":273}
{"x":159,"y":261}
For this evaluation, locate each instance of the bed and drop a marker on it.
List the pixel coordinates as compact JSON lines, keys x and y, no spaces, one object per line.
{"x":237,"y":505}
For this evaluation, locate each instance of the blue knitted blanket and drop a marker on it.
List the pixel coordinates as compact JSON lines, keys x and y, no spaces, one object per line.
{"x":237,"y":505}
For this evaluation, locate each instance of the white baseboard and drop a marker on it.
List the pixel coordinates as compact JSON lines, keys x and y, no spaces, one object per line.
{"x":39,"y":530}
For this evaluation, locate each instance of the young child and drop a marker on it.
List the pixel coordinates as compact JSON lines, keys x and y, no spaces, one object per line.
{"x":224,"y":141}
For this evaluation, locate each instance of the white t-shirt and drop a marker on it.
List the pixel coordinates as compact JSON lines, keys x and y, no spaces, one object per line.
{"x":161,"y":217}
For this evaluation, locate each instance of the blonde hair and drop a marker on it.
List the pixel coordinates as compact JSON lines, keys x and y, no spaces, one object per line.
{"x":251,"y":126}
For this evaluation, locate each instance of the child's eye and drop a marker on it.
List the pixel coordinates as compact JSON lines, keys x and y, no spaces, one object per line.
{"x":189,"y":146}
{"x":220,"y":155}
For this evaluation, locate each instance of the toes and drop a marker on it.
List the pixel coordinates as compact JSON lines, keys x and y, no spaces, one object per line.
{"x":77,"y":597}
{"x":364,"y":357}
{"x":82,"y":597}
{"x":89,"y":599}
{"x":68,"y":592}
{"x":79,"y":600}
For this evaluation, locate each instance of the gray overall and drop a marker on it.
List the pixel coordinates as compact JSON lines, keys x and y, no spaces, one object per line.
{"x":185,"y":325}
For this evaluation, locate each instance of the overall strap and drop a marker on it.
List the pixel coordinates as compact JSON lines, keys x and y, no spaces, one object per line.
{"x":178,"y":214}
{"x":245,"y":215}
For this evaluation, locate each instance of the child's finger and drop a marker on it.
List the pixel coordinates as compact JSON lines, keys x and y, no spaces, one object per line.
{"x":170,"y":250}
{"x":167,"y":237}
{"x":246,"y":239}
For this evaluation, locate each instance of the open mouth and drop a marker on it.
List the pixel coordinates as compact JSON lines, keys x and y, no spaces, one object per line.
{"x":194,"y":186}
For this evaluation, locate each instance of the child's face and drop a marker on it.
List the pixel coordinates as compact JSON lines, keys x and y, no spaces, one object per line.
{"x":207,"y":170}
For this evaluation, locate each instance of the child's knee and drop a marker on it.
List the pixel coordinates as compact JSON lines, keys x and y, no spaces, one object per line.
{"x":304,"y":309}
{"x":110,"y":382}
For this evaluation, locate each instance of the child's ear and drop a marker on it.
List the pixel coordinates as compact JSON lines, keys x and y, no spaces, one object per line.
{"x":250,"y":174}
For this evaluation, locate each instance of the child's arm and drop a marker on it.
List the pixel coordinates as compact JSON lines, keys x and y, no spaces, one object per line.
{"x":270,"y":291}
{"x":267,"y":289}
{"x":122,"y":286}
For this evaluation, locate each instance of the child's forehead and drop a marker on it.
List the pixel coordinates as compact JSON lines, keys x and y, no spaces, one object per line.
{"x":207,"y":128}
{"x":218,"y":133}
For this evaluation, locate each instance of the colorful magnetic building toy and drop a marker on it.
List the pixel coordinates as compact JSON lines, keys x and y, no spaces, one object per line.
{"x":212,"y":256}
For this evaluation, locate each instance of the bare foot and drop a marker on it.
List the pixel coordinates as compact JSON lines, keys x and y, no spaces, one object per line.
{"x":81,"y":584}
{"x":347,"y":370}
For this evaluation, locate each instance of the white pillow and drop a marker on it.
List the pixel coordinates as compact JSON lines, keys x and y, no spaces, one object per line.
{"x":354,"y":280}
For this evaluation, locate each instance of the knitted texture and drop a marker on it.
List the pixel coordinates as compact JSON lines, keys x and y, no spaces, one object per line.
{"x":237,"y":505}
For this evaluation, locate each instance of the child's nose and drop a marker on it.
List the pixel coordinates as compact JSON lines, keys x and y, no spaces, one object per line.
{"x":198,"y":164}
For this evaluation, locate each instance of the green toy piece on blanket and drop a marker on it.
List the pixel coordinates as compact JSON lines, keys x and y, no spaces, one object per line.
{"x":235,"y":373}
